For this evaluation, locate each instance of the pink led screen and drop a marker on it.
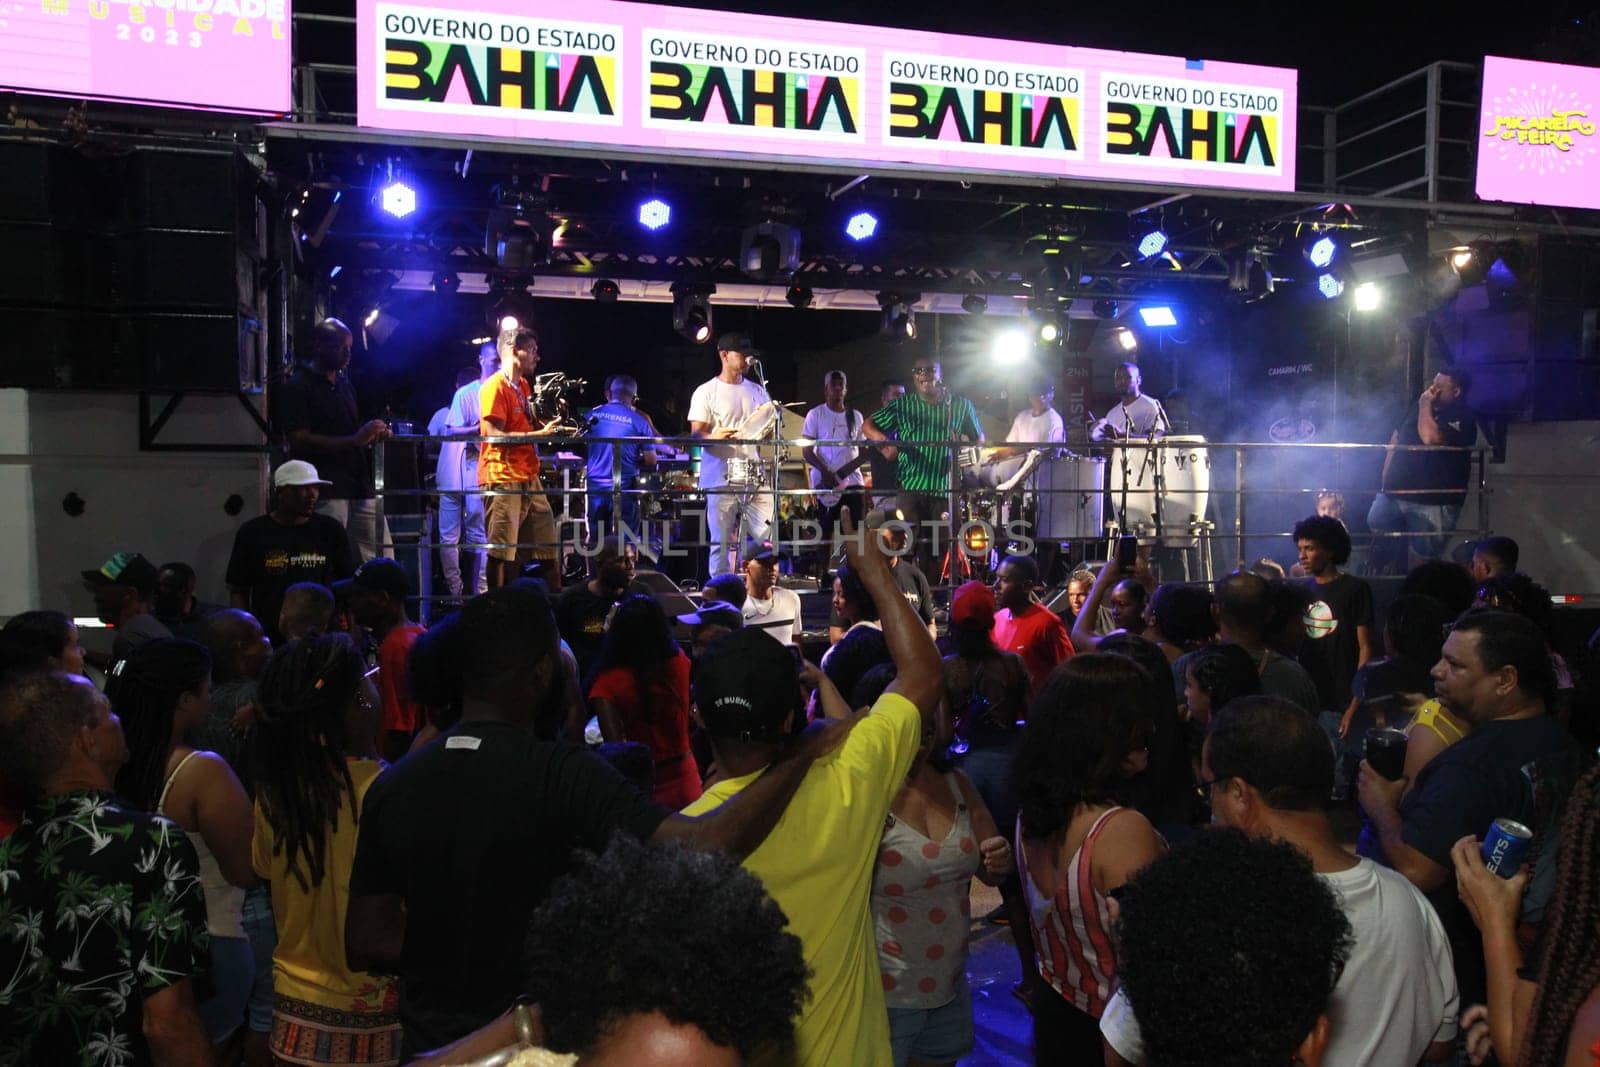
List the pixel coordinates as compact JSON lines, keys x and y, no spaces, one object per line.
{"x":1537,"y":134}
{"x":224,"y":55}
{"x":665,"y":81}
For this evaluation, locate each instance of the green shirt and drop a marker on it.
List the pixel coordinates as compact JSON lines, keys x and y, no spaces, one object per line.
{"x":911,"y":418}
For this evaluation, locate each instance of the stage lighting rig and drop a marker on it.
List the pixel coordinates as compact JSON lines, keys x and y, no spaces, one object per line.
{"x":1011,"y":347}
{"x":1152,"y":243}
{"x":1157,"y":316}
{"x":605,"y":291}
{"x":691,"y":310}
{"x":1249,"y":278}
{"x":974,"y":303}
{"x":799,"y":296}
{"x":509,"y":308}
{"x":1331,"y":286}
{"x":520,"y":232}
{"x":899,"y":319}
{"x":1368,"y":297}
{"x":769,"y":250}
{"x":398,"y":199}
{"x":1322,"y":251}
{"x":1127,"y":339}
{"x":861,"y":226}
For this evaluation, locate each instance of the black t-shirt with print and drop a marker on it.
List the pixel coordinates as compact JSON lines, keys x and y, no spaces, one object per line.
{"x":268,"y":557}
{"x":1331,"y":658}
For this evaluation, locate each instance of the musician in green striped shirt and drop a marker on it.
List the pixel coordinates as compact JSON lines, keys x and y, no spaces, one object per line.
{"x":929,"y":413}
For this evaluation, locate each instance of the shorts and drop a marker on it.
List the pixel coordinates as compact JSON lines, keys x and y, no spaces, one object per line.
{"x":233,"y":970}
{"x":263,"y":935}
{"x":312,"y":1034}
{"x":521,"y":516}
{"x":943,"y":1034}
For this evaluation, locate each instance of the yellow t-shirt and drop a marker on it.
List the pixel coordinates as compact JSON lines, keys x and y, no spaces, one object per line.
{"x":308,"y":963}
{"x":817,"y":863}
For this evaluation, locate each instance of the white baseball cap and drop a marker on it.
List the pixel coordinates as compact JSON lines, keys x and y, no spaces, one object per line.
{"x":297,"y":472}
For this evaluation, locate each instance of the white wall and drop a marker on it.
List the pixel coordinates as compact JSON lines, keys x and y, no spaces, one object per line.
{"x":1546,"y":496}
{"x":169,"y":506}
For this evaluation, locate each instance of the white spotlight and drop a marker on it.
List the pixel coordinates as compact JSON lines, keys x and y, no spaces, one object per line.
{"x":1368,"y":297}
{"x":1010,"y":348}
{"x":1127,"y":340}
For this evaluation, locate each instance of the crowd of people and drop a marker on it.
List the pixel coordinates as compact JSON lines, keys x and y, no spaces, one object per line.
{"x":303,"y":829}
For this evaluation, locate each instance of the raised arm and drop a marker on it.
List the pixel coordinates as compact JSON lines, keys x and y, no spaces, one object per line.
{"x":920,"y":676}
{"x":1084,"y":639}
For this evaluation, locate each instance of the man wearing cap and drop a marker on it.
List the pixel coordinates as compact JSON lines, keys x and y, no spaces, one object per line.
{"x":769,"y":607}
{"x":517,"y":513}
{"x":377,"y":595}
{"x":818,"y":862}
{"x":317,"y":412}
{"x":715,"y":618}
{"x":290,"y":544}
{"x":123,"y":587}
{"x":456,"y":478}
{"x":716,"y":412}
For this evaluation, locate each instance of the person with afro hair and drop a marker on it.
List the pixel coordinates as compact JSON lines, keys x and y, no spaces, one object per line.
{"x":1229,"y":950}
{"x":655,"y":947}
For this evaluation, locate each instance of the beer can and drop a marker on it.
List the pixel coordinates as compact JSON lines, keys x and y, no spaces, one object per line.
{"x":1505,"y":845}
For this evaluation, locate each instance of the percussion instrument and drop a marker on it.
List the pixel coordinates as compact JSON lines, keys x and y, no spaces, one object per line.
{"x":1181,"y":466}
{"x":744,"y":473}
{"x":1070,"y":499}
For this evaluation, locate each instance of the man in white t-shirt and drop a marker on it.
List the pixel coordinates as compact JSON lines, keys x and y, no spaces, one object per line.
{"x":1039,"y":422}
{"x":457,"y":475}
{"x":717,"y":411}
{"x":1134,"y":414}
{"x":767,"y":605}
{"x":1268,"y":769}
{"x":835,"y":468}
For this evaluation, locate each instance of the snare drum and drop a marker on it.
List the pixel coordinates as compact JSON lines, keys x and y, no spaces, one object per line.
{"x":1071,"y":499}
{"x":1184,"y":466}
{"x":742,"y":472}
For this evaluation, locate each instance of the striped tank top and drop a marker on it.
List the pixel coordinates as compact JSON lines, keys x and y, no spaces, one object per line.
{"x":1072,"y":928}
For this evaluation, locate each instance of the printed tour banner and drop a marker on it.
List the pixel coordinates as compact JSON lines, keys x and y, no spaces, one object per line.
{"x":1538,"y":141}
{"x":664,"y":81}
{"x":223,"y":55}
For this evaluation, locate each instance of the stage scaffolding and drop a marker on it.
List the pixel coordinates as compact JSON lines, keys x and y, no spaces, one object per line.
{"x":1195,"y":534}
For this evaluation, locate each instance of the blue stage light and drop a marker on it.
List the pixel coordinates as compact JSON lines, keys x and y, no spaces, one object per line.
{"x":862,"y":224}
{"x":1322,"y":251}
{"x":654,"y":214}
{"x":1331,"y":286}
{"x":1152,"y":244}
{"x":1155,"y":315}
{"x":398,"y":199}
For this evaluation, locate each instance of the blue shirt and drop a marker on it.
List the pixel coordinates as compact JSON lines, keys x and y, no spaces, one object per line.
{"x":616,"y":420}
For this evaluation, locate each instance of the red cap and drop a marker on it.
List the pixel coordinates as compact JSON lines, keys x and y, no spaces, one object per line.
{"x":973,"y":605}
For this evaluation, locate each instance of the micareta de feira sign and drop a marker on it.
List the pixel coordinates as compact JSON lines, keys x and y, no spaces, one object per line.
{"x":1539,"y":133}
{"x":664,"y":81}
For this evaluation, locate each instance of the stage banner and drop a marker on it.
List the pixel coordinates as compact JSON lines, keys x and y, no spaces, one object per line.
{"x":1537,"y":136}
{"x":666,"y":82}
{"x":216,"y":55}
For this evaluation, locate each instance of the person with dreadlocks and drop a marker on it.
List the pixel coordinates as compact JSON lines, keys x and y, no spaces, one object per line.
{"x":162,"y":693}
{"x":1556,"y":1022}
{"x":314,"y":730}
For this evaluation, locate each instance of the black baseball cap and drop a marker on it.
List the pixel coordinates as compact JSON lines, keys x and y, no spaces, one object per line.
{"x":716,"y":613}
{"x":377,"y":575}
{"x":737,"y":341}
{"x":762,"y":551}
{"x":744,"y":686}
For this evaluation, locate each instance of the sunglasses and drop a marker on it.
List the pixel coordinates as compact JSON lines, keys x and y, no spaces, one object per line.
{"x":925,"y":372}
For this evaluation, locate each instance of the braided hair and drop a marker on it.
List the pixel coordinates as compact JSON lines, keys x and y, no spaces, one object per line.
{"x":1571,"y":966}
{"x":302,"y":782}
{"x":144,"y":689}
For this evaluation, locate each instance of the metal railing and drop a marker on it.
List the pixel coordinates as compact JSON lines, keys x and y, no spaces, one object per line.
{"x":977,"y":521}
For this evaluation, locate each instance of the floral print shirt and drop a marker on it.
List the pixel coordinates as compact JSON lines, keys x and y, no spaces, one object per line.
{"x":100,"y":907}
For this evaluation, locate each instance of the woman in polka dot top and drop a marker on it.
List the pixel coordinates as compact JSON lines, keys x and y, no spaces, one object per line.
{"x":937,"y":837}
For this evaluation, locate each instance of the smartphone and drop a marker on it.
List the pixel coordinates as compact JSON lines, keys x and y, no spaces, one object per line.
{"x":1127,"y":552}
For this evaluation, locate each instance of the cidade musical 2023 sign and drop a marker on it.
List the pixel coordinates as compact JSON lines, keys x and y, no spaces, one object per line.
{"x":665,"y":81}
{"x":224,"y":55}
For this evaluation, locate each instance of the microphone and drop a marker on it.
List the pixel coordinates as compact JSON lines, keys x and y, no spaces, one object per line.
{"x":760,"y":371}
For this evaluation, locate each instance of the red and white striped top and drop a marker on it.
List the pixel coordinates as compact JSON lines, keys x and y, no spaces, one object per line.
{"x":1072,"y":928}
